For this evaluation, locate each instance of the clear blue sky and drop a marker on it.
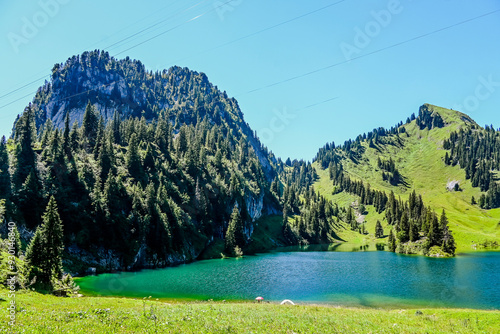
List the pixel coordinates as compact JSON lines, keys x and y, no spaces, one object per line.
{"x":457,"y":67}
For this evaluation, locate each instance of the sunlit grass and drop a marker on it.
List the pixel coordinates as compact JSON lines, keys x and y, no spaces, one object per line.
{"x":420,"y":161}
{"x":47,"y":314}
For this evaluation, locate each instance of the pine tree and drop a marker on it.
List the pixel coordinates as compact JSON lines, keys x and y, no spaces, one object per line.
{"x":434,"y":236}
{"x":414,"y":233}
{"x":115,"y":126}
{"x":104,"y":159}
{"x":275,"y":187}
{"x":287,"y":230}
{"x":74,"y":137}
{"x":25,"y":155}
{"x":448,"y":244}
{"x":379,"y":231}
{"x":35,"y":256}
{"x":448,"y":241}
{"x":44,"y":253}
{"x":235,"y":235}
{"x":149,"y":160}
{"x":66,"y":136}
{"x":4,"y":170}
{"x":132,"y":158}
{"x":53,"y":237}
{"x":404,"y":225}
{"x":29,"y":200}
{"x":182,"y":141}
{"x":391,"y":242}
{"x":482,"y":201}
{"x":90,"y":125}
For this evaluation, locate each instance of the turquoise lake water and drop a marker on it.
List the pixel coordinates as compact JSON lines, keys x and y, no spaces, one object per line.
{"x":374,"y":279}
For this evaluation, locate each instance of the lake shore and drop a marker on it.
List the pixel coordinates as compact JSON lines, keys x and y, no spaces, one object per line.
{"x":37,"y":313}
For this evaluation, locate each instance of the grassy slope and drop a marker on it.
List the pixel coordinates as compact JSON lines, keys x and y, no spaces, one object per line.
{"x":420,"y":161}
{"x":47,"y":314}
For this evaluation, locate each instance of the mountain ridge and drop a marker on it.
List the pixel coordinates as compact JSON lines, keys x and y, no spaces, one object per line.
{"x":164,"y":164}
{"x":419,"y":156}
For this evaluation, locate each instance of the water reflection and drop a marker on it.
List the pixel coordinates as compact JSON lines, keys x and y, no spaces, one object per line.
{"x":335,"y":247}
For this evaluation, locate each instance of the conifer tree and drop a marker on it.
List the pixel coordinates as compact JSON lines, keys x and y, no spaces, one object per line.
{"x":25,"y":155}
{"x":66,"y":136}
{"x":35,"y":256}
{"x":235,"y":235}
{"x":90,"y":125}
{"x":4,"y":170}
{"x":379,"y":231}
{"x":434,"y":236}
{"x":404,"y":226}
{"x":116,"y":127}
{"x":132,"y":158}
{"x":448,"y":244}
{"x":44,"y":253}
{"x":74,"y":137}
{"x":29,"y":200}
{"x":414,"y":233}
{"x":391,"y":242}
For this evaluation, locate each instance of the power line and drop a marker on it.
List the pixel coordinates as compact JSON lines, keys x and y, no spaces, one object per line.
{"x":179,"y":25}
{"x":175,"y":27}
{"x":318,"y":103}
{"x":304,"y":74}
{"x":109,"y":47}
{"x":163,"y":20}
{"x":28,"y":84}
{"x":136,"y":22}
{"x":369,"y":54}
{"x":261,"y":31}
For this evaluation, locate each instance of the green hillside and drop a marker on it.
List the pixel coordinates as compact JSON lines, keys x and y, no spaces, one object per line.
{"x":419,"y":157}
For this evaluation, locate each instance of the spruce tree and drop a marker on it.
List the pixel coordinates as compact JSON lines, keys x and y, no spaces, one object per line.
{"x":391,"y":242}
{"x":132,"y":158}
{"x":414,"y":233}
{"x":448,"y":244}
{"x":74,"y":137}
{"x":25,"y":155}
{"x":30,"y":200}
{"x":404,"y":225}
{"x":448,"y":241}
{"x":66,"y":137}
{"x":434,"y":236}
{"x":235,"y":235}
{"x":35,"y":257}
{"x":90,"y":125}
{"x":379,"y":231}
{"x":44,"y":253}
{"x":4,"y":170}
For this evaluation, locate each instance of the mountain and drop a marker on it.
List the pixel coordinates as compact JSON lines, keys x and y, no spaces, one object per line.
{"x":150,"y":169}
{"x":126,"y":87}
{"x":147,"y":168}
{"x":434,"y":154}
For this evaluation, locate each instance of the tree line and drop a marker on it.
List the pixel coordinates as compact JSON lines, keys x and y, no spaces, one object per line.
{"x":477,"y":151}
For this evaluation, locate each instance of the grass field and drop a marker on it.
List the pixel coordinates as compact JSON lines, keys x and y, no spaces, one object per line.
{"x":420,"y":161}
{"x":38,"y":313}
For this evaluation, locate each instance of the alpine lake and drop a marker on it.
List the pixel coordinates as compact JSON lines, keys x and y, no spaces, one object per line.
{"x":340,"y":274}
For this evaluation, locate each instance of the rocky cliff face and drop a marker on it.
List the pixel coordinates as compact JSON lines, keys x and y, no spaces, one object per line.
{"x":198,"y":197}
{"x":126,"y":87}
